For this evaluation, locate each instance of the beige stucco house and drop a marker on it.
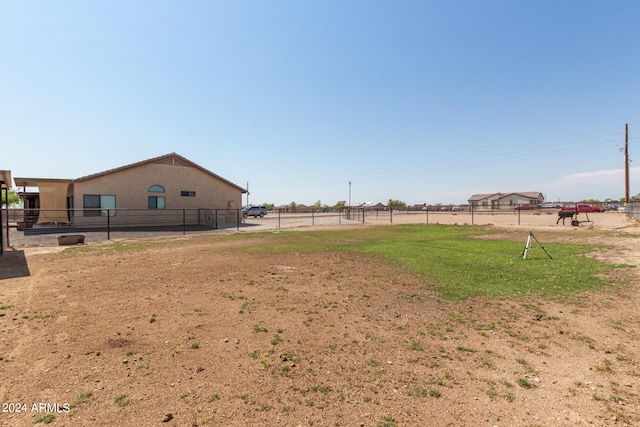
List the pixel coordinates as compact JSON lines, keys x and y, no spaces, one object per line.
{"x":157,"y":190}
{"x":505,"y":200}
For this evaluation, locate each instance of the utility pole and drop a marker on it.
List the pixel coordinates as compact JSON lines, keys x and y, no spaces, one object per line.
{"x":247,"y":193}
{"x":626,"y":163}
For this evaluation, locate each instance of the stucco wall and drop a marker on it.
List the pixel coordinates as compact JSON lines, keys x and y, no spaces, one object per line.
{"x":130,"y":186}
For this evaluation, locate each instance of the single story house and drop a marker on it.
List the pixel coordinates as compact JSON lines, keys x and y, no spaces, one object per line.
{"x":139,"y":193}
{"x":370,"y":206}
{"x":505,"y":200}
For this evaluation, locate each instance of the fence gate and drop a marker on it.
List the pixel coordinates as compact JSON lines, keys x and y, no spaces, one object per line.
{"x":353,"y":214}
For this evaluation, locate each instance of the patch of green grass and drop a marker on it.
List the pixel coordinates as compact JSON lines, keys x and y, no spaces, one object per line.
{"x":45,"y":419}
{"x":258,"y":328}
{"x":416,"y":346}
{"x":82,"y":397}
{"x":387,"y":422}
{"x":524,"y":383}
{"x":320,"y":388}
{"x":605,"y":367}
{"x":460,"y":265}
{"x":122,"y":400}
{"x":530,"y":369}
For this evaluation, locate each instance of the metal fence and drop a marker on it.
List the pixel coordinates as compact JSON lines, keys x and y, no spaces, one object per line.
{"x":3,"y":230}
{"x":633,"y":210}
{"x":108,"y":224}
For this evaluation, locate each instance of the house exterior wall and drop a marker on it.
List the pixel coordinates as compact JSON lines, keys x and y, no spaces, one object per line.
{"x":130,"y":187}
{"x":505,"y":200}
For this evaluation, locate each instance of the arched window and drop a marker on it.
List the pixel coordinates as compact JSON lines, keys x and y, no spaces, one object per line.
{"x":156,"y":202}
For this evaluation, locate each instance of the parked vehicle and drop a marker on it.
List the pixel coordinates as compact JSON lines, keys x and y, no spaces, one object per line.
{"x":551,"y":205}
{"x":582,"y":207}
{"x":457,"y":208}
{"x":612,"y":207}
{"x":254,"y":211}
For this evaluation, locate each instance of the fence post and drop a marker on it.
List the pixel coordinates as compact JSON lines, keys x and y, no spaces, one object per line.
{"x":279,"y":212}
{"x":2,"y":226}
{"x":184,"y":225}
{"x":108,"y":226}
{"x":312,"y":219}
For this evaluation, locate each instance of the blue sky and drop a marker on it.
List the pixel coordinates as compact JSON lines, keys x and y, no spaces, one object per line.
{"x":421,"y":101}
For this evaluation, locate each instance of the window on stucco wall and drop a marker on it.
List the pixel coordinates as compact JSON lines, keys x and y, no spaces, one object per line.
{"x":156,"y":202}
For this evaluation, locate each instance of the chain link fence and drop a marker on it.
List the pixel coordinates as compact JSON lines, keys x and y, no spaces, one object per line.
{"x":633,"y":210}
{"x":26,"y":228}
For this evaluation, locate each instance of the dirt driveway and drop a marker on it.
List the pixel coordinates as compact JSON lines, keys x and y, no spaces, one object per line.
{"x":194,"y":331}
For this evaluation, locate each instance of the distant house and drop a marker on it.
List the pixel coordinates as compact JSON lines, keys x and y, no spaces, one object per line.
{"x":160,"y":184}
{"x":505,"y":200}
{"x":370,"y":206}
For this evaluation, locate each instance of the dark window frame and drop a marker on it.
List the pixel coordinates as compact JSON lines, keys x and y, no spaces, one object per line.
{"x":93,"y":205}
{"x":152,"y":202}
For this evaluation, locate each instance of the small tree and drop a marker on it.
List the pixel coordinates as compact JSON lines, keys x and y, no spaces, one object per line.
{"x":13,"y":198}
{"x":396,"y":203}
{"x":293,"y":206}
{"x":341,"y":205}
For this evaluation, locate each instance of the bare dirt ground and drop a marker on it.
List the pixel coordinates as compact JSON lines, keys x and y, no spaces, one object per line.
{"x":196,"y":330}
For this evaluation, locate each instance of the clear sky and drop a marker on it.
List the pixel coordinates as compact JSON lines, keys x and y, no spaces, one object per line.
{"x":420,"y":101}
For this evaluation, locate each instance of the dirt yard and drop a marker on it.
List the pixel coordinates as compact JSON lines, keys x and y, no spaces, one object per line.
{"x":196,"y":331}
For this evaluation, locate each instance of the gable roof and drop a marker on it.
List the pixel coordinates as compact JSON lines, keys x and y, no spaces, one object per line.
{"x":170,"y":159}
{"x":481,"y":196}
{"x":526,"y":195}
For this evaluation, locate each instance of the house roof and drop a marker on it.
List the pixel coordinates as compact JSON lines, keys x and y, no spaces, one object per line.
{"x":33,"y":182}
{"x":5,"y":179}
{"x":526,"y":194}
{"x":173,"y":158}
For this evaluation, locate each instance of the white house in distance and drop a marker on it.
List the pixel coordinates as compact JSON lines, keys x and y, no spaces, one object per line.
{"x":139,"y":193}
{"x":505,"y":200}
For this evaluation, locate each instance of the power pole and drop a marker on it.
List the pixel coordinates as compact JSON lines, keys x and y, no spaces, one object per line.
{"x":626,"y":162}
